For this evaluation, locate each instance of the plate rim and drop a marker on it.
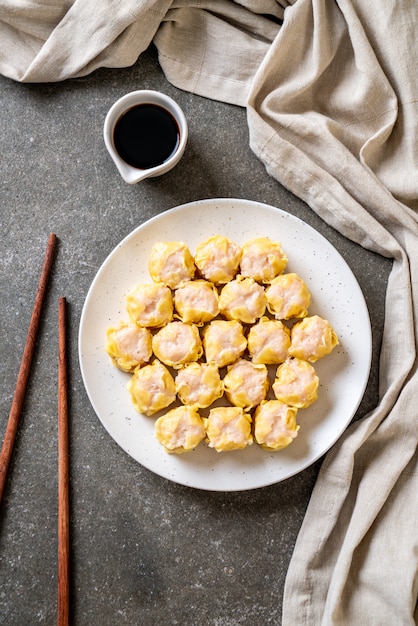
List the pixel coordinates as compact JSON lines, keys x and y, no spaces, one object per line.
{"x":167,"y":214}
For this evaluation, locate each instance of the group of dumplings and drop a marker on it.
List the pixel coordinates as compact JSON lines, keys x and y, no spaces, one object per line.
{"x":207,"y":327}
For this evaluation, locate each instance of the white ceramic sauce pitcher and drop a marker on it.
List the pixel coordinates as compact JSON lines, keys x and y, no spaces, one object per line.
{"x":133,"y":174}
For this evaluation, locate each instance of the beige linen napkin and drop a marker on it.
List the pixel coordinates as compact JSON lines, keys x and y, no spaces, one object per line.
{"x":333,"y":115}
{"x":45,"y":42}
{"x":209,"y":47}
{"x":332,"y":112}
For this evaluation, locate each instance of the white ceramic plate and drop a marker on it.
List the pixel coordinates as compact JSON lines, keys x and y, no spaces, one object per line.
{"x":336,"y":296}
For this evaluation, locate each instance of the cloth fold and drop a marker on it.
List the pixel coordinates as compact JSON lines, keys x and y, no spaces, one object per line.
{"x":332,"y":100}
{"x":340,"y":132}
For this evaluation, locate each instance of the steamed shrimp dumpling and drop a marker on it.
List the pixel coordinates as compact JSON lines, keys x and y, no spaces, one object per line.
{"x":171,"y":263}
{"x":128,"y":345}
{"x":223,"y":341}
{"x":177,"y":343}
{"x":288,"y":296}
{"x":312,"y":338}
{"x":196,"y":302}
{"x":199,"y":384}
{"x":246,"y":384}
{"x":180,"y":430}
{"x":150,"y":305}
{"x":268,"y":342}
{"x":228,"y":428}
{"x":243,"y":299}
{"x":275,"y":425}
{"x":217,"y":259}
{"x":152,"y":388}
{"x":262,"y":259}
{"x":296,"y":383}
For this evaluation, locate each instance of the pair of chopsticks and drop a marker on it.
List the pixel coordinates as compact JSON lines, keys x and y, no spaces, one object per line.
{"x":13,"y":422}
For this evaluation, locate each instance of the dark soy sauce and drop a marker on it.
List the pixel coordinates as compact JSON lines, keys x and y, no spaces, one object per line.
{"x":146,"y":136}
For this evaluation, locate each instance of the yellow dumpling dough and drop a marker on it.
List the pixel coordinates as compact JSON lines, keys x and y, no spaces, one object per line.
{"x":128,"y":345}
{"x":150,"y":305}
{"x":288,"y":296}
{"x":177,"y":343}
{"x":228,"y":307}
{"x":217,"y":259}
{"x":223,"y":341}
{"x":312,"y":338}
{"x":196,"y":302}
{"x":275,"y":425}
{"x":268,"y":341}
{"x":296,"y":383}
{"x":246,"y":384}
{"x":171,"y":263}
{"x":180,"y":430}
{"x":228,"y":428}
{"x":243,"y":299}
{"x":152,"y":388}
{"x":262,"y":259}
{"x":199,"y":384}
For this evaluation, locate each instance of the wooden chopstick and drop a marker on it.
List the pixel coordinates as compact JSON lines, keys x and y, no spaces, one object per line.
{"x":25,"y":366}
{"x":63,"y":472}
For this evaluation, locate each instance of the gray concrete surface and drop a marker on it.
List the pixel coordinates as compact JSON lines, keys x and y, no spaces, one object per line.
{"x":143,"y":550}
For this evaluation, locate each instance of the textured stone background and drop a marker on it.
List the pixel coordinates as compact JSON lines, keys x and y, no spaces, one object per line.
{"x":143,"y":550}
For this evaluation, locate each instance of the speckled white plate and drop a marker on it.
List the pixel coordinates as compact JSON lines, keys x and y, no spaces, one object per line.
{"x":336,"y":296}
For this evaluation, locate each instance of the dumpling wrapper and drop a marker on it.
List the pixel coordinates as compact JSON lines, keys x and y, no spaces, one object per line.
{"x":268,"y":342}
{"x":196,"y":302}
{"x":262,"y":259}
{"x":288,"y":297}
{"x":150,"y":305}
{"x":228,"y":428}
{"x":171,"y":263}
{"x":243,"y":299}
{"x":177,"y":343}
{"x":128,"y":345}
{"x":296,"y":383}
{"x":312,"y":338}
{"x":217,"y":259}
{"x":246,"y":384}
{"x":152,"y":388}
{"x":180,"y":430}
{"x":199,"y":384}
{"x":275,"y":425}
{"x":223,"y":341}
